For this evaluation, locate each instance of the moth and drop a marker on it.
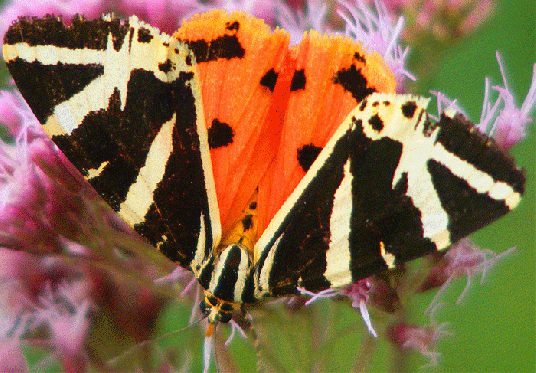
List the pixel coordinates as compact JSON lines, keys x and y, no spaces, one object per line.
{"x":259,"y":166}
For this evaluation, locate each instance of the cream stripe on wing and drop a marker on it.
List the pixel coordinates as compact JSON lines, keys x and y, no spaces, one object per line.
{"x":218,"y":270}
{"x":197,"y":261}
{"x":204,"y":149}
{"x":478,"y":180}
{"x":338,"y":259}
{"x":262,"y":279}
{"x":140,"y":194}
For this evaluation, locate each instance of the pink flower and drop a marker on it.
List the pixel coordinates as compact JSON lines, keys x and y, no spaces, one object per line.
{"x":296,"y":21}
{"x":481,"y":11}
{"x":163,"y":14}
{"x":462,"y":260}
{"x":11,"y":357}
{"x":419,"y":338}
{"x":13,"y":110}
{"x":378,"y":30}
{"x":359,"y":292}
{"x":503,"y":119}
{"x":259,"y":8}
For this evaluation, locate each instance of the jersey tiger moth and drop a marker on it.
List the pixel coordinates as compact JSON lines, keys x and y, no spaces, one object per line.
{"x":258,"y":166}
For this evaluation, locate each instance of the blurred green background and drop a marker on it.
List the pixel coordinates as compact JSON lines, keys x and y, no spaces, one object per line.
{"x":494,"y":327}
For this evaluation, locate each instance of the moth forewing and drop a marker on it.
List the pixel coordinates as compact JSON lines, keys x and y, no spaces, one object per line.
{"x":397,"y":188}
{"x":122,"y":101}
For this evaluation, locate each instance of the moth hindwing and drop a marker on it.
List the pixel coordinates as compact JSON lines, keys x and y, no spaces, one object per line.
{"x":122,"y":101}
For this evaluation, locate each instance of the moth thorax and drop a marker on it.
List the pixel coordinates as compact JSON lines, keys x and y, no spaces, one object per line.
{"x":231,"y":272}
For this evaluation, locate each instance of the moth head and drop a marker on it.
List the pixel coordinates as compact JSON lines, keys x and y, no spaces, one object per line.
{"x":216,"y":310}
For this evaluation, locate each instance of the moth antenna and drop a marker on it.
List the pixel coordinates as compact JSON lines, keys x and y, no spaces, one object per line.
{"x":115,"y":360}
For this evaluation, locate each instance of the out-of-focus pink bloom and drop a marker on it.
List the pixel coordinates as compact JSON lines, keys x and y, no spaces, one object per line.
{"x":359,"y":292}
{"x":12,"y":107}
{"x":443,"y":19}
{"x":503,"y":119}
{"x":378,"y":31}
{"x":419,"y":338}
{"x":11,"y":357}
{"x":462,"y":260}
{"x":259,"y":8}
{"x":68,"y":324}
{"x":298,"y":21}
{"x":166,"y":15}
{"x":444,"y":104}
{"x":14,"y":268}
{"x":481,"y":11}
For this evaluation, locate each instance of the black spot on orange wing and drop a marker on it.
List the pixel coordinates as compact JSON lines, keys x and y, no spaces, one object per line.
{"x":269,"y":79}
{"x":220,"y":134}
{"x":353,"y":81}
{"x":298,"y":80}
{"x":307,"y":154}
{"x":247,"y":222}
{"x":232,"y":26}
{"x":359,"y":57}
{"x":226,"y":46}
{"x":408,"y":109}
